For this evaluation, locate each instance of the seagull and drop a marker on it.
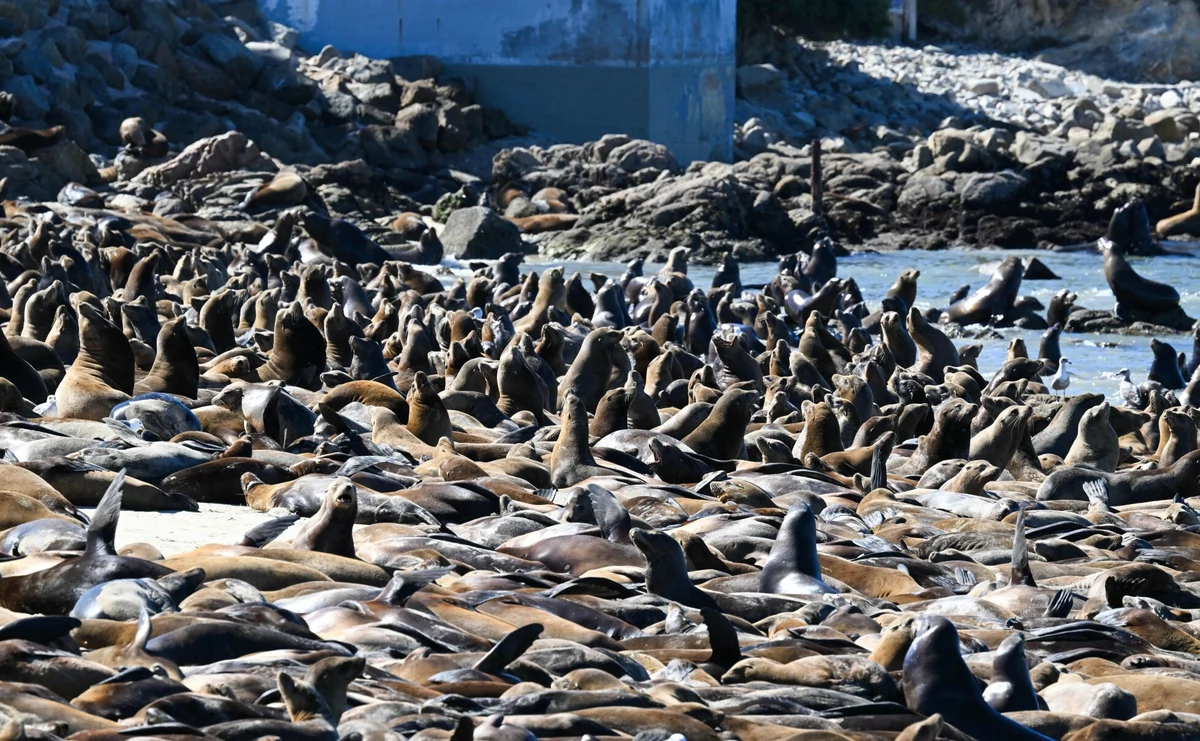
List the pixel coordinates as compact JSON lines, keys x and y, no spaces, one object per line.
{"x":1062,"y":379}
{"x":1129,"y":392}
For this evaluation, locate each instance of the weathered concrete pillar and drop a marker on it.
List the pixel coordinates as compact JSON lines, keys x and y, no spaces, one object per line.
{"x":575,"y":69}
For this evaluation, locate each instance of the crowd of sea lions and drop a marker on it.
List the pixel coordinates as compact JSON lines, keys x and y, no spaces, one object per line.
{"x":516,"y":506}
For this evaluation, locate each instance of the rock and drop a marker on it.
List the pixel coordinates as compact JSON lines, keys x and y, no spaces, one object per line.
{"x":421,"y":119}
{"x":984,"y":87}
{"x":1048,"y":87}
{"x":638,"y":155}
{"x":229,"y":151}
{"x":231,"y":56}
{"x":327,"y":56}
{"x":992,"y":190}
{"x":1164,"y":126}
{"x":1037,"y":270}
{"x":478,"y":233}
{"x":66,"y":160}
{"x":1151,"y":147}
{"x":1113,"y":129}
{"x":417,"y":67}
{"x":1170,"y":99}
{"x":1029,"y":148}
{"x":206,"y":79}
{"x":32,"y":102}
{"x":381,"y":95}
{"x":761,"y":81}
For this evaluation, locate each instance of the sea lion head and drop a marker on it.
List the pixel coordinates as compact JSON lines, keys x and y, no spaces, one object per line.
{"x":342,"y":496}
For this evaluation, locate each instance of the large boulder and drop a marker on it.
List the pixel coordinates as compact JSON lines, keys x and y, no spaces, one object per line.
{"x":478,"y":233}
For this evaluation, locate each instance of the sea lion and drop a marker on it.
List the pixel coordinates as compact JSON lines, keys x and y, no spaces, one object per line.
{"x":992,"y":300}
{"x":792,"y":567}
{"x":1135,"y":295}
{"x":1096,"y":444}
{"x":1165,"y":369}
{"x":1125,"y":486}
{"x":103,"y":373}
{"x":1187,"y":222}
{"x":936,"y":680}
{"x":330,"y":530}
{"x":935,"y":351}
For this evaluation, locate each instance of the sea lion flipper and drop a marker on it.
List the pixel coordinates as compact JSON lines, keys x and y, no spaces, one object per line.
{"x":879,"y":458}
{"x":508,"y":649}
{"x":260,"y":535}
{"x":129,"y":674}
{"x":1020,"y":573}
{"x":141,"y":636}
{"x":43,"y":629}
{"x":1097,"y":494}
{"x":102,"y":533}
{"x":464,"y":731}
{"x":181,"y":584}
{"x":404,"y":583}
{"x":722,"y":636}
{"x":1060,"y":604}
{"x":612,"y":518}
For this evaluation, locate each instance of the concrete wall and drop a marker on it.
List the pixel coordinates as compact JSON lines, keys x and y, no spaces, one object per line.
{"x":575,"y":69}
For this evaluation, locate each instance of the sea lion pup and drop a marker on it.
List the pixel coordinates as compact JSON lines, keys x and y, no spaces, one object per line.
{"x":571,"y":461}
{"x":1096,"y":444}
{"x":792,"y":567}
{"x":21,"y":374}
{"x":331,"y":529}
{"x":55,"y":590}
{"x":1187,"y":222}
{"x":937,"y":680}
{"x":142,"y":140}
{"x":102,"y":375}
{"x":297,"y":351}
{"x":722,"y":434}
{"x":175,"y":370}
{"x":972,"y":478}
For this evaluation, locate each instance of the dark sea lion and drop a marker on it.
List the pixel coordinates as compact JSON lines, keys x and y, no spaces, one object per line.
{"x":175,"y":370}
{"x":297,"y":350}
{"x":1134,"y":293}
{"x":56,"y":590}
{"x":21,"y":374}
{"x":936,"y":680}
{"x":992,"y":300}
{"x":1125,"y":486}
{"x":1164,"y":369}
{"x":792,"y":567}
{"x":103,"y":373}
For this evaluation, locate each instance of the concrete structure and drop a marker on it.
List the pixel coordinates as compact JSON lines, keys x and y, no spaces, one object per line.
{"x":575,"y":69}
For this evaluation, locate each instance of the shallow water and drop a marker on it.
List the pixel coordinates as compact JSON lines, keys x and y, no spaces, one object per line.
{"x":1095,"y":358}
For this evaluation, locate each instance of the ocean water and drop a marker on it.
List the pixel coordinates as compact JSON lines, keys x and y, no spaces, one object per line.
{"x":1095,"y":358}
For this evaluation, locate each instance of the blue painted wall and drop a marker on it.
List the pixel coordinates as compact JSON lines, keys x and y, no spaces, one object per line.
{"x":575,"y":69}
